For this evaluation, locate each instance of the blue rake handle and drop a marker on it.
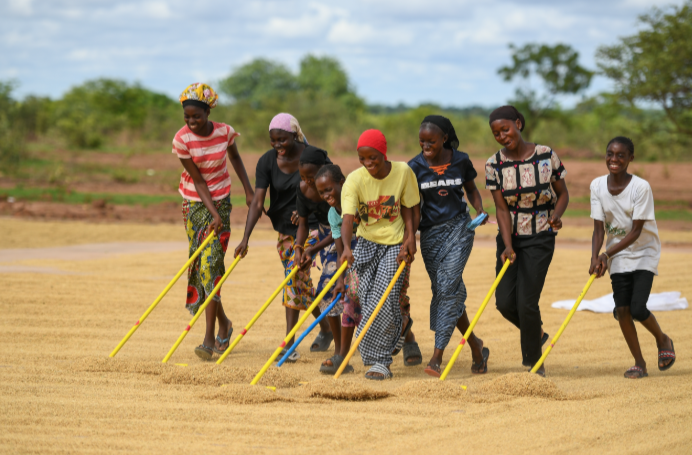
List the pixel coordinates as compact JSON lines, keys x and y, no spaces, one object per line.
{"x":312,"y":326}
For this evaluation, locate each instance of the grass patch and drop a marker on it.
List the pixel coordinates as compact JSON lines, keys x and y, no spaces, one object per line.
{"x":21,"y":193}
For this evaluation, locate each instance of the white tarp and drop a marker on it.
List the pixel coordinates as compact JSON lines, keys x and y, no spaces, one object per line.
{"x":665,"y":301}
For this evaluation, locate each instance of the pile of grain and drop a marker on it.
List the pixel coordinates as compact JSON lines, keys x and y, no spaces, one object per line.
{"x":431,"y":390}
{"x":523,"y":385}
{"x":340,"y":389}
{"x":217,"y":375}
{"x":244,"y":394}
{"x":109,"y":365}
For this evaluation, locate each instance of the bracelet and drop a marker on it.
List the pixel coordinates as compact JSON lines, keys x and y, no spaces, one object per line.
{"x":606,"y":255}
{"x":299,"y":246}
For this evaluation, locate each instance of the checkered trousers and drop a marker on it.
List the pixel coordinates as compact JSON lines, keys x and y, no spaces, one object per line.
{"x":376,"y":265}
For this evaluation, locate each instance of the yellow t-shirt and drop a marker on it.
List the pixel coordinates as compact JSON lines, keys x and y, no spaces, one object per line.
{"x":379,"y":202}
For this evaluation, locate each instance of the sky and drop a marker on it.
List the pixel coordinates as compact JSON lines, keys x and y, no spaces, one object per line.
{"x":395,"y":51}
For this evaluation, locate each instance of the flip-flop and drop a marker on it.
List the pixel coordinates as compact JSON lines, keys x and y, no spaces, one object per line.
{"x":381,"y":369}
{"x":402,"y":338}
{"x":482,"y":367}
{"x":434,"y":370}
{"x":666,"y":354}
{"x":639,"y":373}
{"x":204,"y":352}
{"x":222,"y":341}
{"x":412,"y":350}
{"x":323,"y":341}
{"x":337,"y":360}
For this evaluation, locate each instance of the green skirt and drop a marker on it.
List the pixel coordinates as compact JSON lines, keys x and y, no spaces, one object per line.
{"x":208,"y":268}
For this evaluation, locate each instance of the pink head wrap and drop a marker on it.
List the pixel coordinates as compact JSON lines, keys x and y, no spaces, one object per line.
{"x":287,"y":122}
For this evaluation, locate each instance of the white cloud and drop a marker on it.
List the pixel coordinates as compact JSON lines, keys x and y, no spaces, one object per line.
{"x":23,"y":7}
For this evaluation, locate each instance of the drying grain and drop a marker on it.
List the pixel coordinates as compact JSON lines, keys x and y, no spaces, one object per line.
{"x":217,"y":375}
{"x":431,"y":389}
{"x":523,"y":385}
{"x":109,"y":365}
{"x":340,"y":389}
{"x":244,"y":394}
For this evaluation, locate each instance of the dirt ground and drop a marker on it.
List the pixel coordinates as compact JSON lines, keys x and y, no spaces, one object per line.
{"x":670,"y":193}
{"x":71,"y":291}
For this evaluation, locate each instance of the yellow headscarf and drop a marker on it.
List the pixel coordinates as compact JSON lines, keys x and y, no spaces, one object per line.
{"x":200,"y":92}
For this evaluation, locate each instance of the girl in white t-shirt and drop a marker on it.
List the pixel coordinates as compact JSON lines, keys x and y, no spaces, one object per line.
{"x":622,"y":205}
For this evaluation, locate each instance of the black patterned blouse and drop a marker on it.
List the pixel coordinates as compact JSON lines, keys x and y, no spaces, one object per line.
{"x":526,"y":186}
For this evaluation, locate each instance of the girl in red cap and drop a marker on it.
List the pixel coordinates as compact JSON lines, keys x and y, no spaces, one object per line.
{"x":383,"y":194}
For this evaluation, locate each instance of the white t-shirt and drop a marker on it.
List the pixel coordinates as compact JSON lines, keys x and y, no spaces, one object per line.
{"x":636,"y":202}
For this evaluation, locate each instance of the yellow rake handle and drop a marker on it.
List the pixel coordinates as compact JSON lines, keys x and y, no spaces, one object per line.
{"x":370,"y":320}
{"x":300,"y":322}
{"x":257,"y":316}
{"x":163,"y":294}
{"x":202,"y":308}
{"x":564,"y":324}
{"x":450,"y":364}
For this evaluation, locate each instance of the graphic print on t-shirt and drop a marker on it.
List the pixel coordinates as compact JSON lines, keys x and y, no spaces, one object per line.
{"x":509,"y":174}
{"x":528,"y":179}
{"x":545,"y":171}
{"x":440,"y":170}
{"x":385,"y":207}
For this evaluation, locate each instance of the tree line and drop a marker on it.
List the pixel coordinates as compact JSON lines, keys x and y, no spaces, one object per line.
{"x":651,"y":102}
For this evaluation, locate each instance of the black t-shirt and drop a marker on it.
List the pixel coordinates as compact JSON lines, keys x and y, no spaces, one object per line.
{"x":441,"y":188}
{"x":311,"y":209}
{"x":282,"y":192}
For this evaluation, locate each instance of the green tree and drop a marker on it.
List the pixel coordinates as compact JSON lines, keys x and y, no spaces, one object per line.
{"x":259,"y":81}
{"x":655,"y":65}
{"x":559,"y":69}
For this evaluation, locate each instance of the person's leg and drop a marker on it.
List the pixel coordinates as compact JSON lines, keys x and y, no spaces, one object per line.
{"x":641,"y":289}
{"x":292,"y":316}
{"x":335,"y":326}
{"x":532,"y":263}
{"x":210,"y":316}
{"x":377,"y":268}
{"x":225,"y":325}
{"x":506,"y":292}
{"x":623,"y":287}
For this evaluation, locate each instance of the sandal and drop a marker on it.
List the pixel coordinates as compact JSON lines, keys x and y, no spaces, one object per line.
{"x":222,"y":341}
{"x":323,"y":341}
{"x":381,"y":369}
{"x":337,"y":360}
{"x":638,"y":373}
{"x":666,"y":354}
{"x":412,"y":350}
{"x":293,"y":358}
{"x":434,"y":370}
{"x":204,"y":352}
{"x":400,"y":342}
{"x":482,"y":367}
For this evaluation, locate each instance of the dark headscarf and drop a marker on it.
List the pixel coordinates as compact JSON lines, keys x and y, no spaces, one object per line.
{"x":446,"y":126}
{"x":507,"y":113}
{"x":313,"y":155}
{"x":200,"y":104}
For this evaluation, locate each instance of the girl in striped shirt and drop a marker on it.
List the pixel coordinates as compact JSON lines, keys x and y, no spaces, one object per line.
{"x":202,"y":147}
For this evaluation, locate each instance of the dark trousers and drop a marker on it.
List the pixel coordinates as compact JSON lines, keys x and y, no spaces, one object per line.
{"x":632,"y":289}
{"x":520,"y":289}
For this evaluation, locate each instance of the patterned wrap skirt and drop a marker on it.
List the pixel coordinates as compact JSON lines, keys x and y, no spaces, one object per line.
{"x":329,"y":258}
{"x":206,"y":271}
{"x":445,"y":249}
{"x":299,"y":291}
{"x":375,"y":266}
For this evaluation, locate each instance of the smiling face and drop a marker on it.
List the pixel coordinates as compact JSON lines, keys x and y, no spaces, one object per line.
{"x":307,"y":173}
{"x":196,"y":119}
{"x":618,"y":157}
{"x":372,"y":160}
{"x":329,"y":190}
{"x":507,"y":133}
{"x":431,"y":140}
{"x":282,"y":141}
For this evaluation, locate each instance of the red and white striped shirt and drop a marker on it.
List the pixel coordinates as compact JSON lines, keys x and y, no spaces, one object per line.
{"x":209,"y":155}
